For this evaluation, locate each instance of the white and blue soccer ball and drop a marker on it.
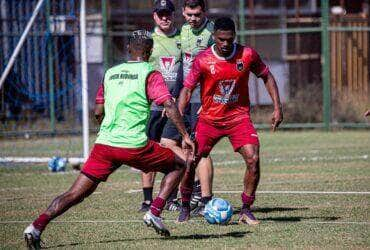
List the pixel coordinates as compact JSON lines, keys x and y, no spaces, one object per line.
{"x":218,"y":211}
{"x":57,"y":164}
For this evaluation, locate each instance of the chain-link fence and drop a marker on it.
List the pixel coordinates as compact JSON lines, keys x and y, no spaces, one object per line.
{"x":318,"y":52}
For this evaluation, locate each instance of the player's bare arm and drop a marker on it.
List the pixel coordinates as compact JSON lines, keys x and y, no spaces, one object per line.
{"x":271,"y":86}
{"x":99,"y":113}
{"x":184,"y":99}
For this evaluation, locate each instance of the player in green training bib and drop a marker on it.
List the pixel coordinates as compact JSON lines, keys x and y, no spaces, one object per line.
{"x":128,"y":89}
{"x":196,"y":36}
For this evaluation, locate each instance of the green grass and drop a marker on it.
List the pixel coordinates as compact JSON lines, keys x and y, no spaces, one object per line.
{"x":291,"y":161}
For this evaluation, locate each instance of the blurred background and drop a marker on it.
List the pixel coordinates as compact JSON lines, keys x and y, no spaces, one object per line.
{"x":318,"y":51}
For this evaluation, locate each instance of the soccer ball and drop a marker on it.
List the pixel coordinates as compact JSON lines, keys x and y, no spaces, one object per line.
{"x":218,"y":211}
{"x":57,"y":164}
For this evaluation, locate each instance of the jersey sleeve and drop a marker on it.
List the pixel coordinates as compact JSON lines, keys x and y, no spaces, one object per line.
{"x":99,"y":99}
{"x":194,"y":75}
{"x":157,"y":89}
{"x":258,"y":67}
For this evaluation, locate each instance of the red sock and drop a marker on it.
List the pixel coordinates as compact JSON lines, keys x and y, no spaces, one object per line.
{"x":247,"y":200}
{"x":41,"y":222}
{"x":185,"y":195}
{"x":157,"y":206}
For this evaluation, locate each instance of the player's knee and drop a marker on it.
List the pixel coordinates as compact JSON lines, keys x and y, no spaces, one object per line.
{"x":252,"y":161}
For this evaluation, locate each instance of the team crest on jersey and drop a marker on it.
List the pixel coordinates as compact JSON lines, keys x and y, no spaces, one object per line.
{"x":199,"y":41}
{"x":226,"y":88}
{"x":167,"y":65}
{"x":178,"y":44}
{"x":239,"y":65}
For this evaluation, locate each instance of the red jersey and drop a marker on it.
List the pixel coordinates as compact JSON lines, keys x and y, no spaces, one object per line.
{"x":156,"y":89}
{"x":224,"y":83}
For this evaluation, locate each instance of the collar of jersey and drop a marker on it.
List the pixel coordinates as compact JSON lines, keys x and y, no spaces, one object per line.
{"x":221,"y":57}
{"x":165,"y":35}
{"x":204,"y":24}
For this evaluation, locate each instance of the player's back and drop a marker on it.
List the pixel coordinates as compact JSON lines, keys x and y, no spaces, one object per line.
{"x":126,"y":106}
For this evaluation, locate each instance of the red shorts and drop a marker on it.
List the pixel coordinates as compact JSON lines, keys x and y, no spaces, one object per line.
{"x":239,"y":134}
{"x":104,"y":159}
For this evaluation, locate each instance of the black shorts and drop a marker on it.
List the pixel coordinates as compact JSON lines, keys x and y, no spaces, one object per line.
{"x":191,"y":116}
{"x":161,"y":127}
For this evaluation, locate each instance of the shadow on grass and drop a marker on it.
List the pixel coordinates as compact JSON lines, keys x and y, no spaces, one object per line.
{"x":237,"y":234}
{"x":299,"y":218}
{"x":207,"y":236}
{"x":271,"y":209}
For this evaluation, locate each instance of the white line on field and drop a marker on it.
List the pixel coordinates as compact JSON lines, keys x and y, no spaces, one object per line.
{"x":298,"y":159}
{"x":191,"y":221}
{"x":275,"y":192}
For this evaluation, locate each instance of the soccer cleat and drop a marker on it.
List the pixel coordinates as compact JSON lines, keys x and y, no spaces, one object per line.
{"x":173,"y":206}
{"x":195,"y":199}
{"x":199,"y":210}
{"x":246,"y":217}
{"x":32,"y":237}
{"x":145,"y":206}
{"x":156,"y":222}
{"x":184,"y":215}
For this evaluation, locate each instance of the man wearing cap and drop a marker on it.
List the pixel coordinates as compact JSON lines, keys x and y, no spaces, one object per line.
{"x":166,"y":58}
{"x":196,"y":36}
{"x":129,"y":89}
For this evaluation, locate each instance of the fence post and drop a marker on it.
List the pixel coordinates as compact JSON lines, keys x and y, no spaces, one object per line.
{"x":242,"y":21}
{"x":105,"y":35}
{"x":50,"y":70}
{"x":325,"y":62}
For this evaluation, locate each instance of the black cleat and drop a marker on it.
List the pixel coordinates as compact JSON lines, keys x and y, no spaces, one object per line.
{"x":145,"y":206}
{"x":198,"y":211}
{"x":173,"y":206}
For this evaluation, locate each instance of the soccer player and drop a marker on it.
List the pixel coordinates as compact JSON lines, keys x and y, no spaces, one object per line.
{"x":128,"y":89}
{"x":223,"y":72}
{"x":196,"y":36}
{"x":166,"y":58}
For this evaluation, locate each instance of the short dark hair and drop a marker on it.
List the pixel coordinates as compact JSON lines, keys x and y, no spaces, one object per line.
{"x":224,"y":23}
{"x":141,"y":39}
{"x":195,"y":3}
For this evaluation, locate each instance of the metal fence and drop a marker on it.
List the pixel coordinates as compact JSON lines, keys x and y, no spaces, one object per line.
{"x":319,"y":54}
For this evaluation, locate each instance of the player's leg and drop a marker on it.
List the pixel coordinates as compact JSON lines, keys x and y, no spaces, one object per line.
{"x":81,"y":189}
{"x":244,"y":139}
{"x":147,"y":182}
{"x":172,"y":203}
{"x":203,"y":194}
{"x":96,"y":169}
{"x":206,"y":137}
{"x":157,"y":158}
{"x":250,"y":155}
{"x":154,"y":131}
{"x":171,"y":139}
{"x":202,"y":189}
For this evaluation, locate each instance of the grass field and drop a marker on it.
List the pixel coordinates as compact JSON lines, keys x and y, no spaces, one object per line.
{"x":291,"y":161}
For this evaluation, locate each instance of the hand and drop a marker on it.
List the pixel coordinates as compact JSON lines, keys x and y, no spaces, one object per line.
{"x":188,"y":147}
{"x":367,"y":113}
{"x":164,"y":109}
{"x":277,"y":118}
